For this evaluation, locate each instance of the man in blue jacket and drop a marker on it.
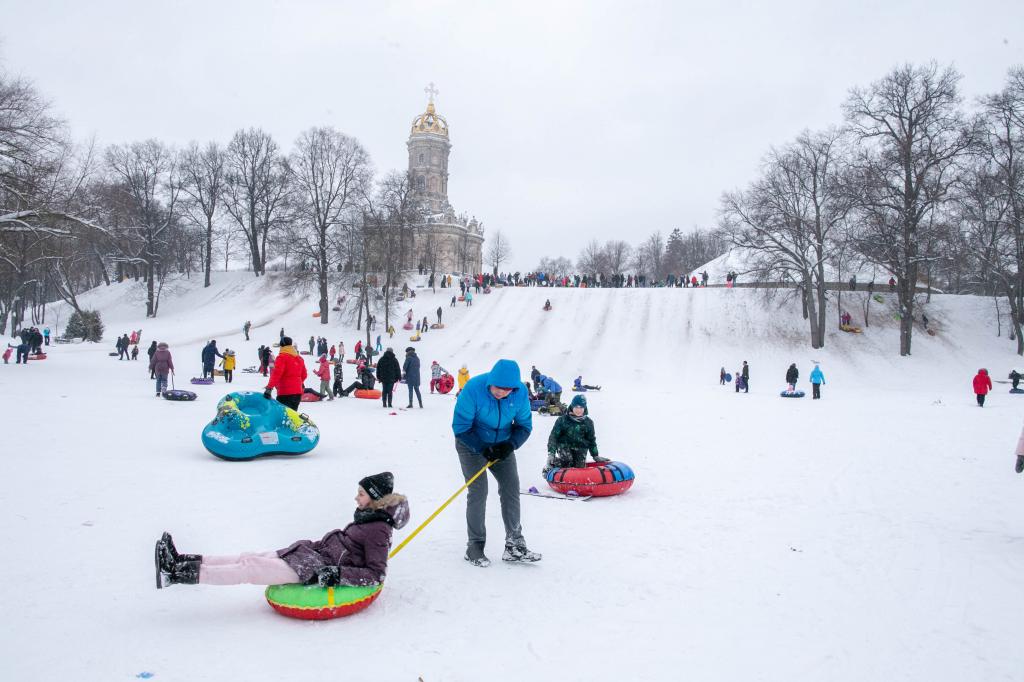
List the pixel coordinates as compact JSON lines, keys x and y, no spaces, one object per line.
{"x":817,"y":379}
{"x":492,"y":420}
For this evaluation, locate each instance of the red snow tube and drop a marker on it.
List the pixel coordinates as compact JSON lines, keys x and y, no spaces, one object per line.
{"x":407,"y":326}
{"x":445,"y":383}
{"x":368,"y":393}
{"x":308,"y":397}
{"x":599,"y":479}
{"x":41,"y":356}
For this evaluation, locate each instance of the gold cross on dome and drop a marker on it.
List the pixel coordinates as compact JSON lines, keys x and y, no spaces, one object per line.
{"x":431,"y":92}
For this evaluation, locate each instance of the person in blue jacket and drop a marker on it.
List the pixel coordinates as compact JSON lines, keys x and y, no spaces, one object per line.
{"x":817,"y":379}
{"x":552,"y":390}
{"x":492,"y":420}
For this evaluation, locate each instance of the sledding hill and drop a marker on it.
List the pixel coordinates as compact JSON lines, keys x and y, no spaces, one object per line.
{"x":874,"y":534}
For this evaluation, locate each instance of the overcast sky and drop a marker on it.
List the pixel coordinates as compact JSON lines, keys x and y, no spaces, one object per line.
{"x":569,"y":120}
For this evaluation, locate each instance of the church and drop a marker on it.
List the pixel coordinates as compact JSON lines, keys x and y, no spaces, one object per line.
{"x":445,"y":241}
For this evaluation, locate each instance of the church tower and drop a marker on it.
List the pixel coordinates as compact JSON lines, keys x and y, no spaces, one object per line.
{"x":429,"y":147}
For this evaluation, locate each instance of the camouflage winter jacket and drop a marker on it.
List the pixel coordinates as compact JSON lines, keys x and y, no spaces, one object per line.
{"x":573,"y":434}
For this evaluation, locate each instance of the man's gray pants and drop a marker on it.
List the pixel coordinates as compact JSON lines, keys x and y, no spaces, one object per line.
{"x":506,"y":473}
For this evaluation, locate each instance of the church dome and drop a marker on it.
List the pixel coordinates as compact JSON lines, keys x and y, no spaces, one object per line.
{"x":430,"y":122}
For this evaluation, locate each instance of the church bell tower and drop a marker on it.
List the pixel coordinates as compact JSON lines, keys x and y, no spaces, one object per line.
{"x":429,"y":147}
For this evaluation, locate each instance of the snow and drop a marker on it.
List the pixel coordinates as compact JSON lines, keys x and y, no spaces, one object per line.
{"x":875,"y":534}
{"x":743,"y":262}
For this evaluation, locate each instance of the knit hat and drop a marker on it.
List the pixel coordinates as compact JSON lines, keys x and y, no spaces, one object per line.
{"x":578,"y":401}
{"x":286,"y":340}
{"x":378,"y":485}
{"x":410,"y":349}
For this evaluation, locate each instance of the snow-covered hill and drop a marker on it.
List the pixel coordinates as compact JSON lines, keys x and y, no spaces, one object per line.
{"x":875,"y":534}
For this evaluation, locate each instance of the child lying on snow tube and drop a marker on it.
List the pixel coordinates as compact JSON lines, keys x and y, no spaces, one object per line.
{"x":356,"y":555}
{"x":572,"y":437}
{"x":579,"y":386}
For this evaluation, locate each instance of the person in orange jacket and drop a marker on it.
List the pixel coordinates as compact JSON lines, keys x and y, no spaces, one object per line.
{"x":982,"y":385}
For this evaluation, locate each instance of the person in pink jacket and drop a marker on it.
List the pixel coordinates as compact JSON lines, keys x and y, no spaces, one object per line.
{"x":323,"y":371}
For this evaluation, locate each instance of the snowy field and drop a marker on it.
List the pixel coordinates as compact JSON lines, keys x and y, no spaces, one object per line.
{"x":877,"y":534}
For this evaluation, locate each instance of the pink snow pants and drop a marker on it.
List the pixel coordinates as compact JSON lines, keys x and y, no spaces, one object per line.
{"x":253,"y":568}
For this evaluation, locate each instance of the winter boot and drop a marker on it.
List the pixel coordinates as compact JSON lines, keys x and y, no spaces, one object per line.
{"x":475,"y":555}
{"x":173,"y":551}
{"x":1020,"y":463}
{"x":516,"y":551}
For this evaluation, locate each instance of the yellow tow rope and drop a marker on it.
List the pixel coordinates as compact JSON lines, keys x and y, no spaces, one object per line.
{"x":440,"y":509}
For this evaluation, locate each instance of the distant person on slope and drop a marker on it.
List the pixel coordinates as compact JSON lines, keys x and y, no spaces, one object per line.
{"x":721,"y":377}
{"x":149,"y":352}
{"x":228,"y":363}
{"x":323,"y":372}
{"x":492,"y":420}
{"x":817,"y":379}
{"x":365,"y":379}
{"x":578,"y":385}
{"x":1014,"y":377}
{"x":355,"y":555}
{"x":160,"y":365}
{"x":411,"y":371}
{"x":1020,"y":453}
{"x":288,"y":376}
{"x":390,"y":373}
{"x":792,"y":375}
{"x":436,"y":372}
{"x":982,"y":385}
{"x":571,"y":438}
{"x":746,"y":377}
{"x":547,"y":304}
{"x":209,"y":356}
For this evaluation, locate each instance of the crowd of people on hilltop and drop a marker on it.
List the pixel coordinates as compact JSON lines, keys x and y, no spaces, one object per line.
{"x":613,"y":281}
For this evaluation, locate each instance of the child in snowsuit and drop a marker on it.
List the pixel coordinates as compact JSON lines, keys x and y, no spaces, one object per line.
{"x":792,"y":374}
{"x":354,"y":555}
{"x":7,"y":354}
{"x":579,"y":386}
{"x":1015,"y":378}
{"x":323,"y":371}
{"x":572,"y":437}
{"x":228,"y":363}
{"x":135,"y":352}
{"x":337,"y":387}
{"x":436,"y":372}
{"x":982,"y":385}
{"x":721,"y":377}
{"x":463,"y":378}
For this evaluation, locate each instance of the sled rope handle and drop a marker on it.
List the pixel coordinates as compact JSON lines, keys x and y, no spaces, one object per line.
{"x":440,"y":509}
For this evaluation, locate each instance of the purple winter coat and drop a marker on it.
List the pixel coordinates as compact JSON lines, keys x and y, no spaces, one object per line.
{"x":161,"y":362}
{"x":360,"y":550}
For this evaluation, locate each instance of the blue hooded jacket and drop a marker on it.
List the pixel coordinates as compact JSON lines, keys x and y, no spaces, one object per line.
{"x":550,"y":385}
{"x":816,"y":376}
{"x":481,"y":420}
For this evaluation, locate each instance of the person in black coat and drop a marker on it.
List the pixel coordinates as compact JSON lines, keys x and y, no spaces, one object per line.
{"x":792,"y":374}
{"x":411,"y":369}
{"x":389,"y":372}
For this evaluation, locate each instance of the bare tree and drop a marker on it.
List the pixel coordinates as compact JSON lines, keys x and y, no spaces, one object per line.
{"x":788,"y":218}
{"x":912,"y":134}
{"x":617,"y":254}
{"x":498,"y":251}
{"x":255,"y":190}
{"x":146,"y":175}
{"x":330,"y":172}
{"x":202,"y":180}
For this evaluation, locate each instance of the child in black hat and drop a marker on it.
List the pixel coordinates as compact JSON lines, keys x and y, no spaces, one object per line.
{"x":354,"y":555}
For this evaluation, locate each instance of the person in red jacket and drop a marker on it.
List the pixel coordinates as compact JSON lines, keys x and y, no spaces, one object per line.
{"x":288,"y":376}
{"x":982,"y":385}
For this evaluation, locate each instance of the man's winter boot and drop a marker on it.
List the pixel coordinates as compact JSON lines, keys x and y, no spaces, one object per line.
{"x":517,"y":551}
{"x":475,"y":555}
{"x":1020,"y":463}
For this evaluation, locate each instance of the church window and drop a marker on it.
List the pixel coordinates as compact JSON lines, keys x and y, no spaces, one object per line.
{"x":421,"y":157}
{"x":421,"y":183}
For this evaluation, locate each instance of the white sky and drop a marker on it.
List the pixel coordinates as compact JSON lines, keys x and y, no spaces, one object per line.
{"x":569,"y":120}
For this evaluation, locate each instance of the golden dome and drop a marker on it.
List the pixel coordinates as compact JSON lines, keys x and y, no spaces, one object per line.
{"x":430,"y":122}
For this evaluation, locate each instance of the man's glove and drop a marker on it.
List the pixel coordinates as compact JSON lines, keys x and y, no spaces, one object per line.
{"x":328,"y":576}
{"x":498,"y":451}
{"x":601,"y":460}
{"x":266,"y":394}
{"x":1020,"y":463}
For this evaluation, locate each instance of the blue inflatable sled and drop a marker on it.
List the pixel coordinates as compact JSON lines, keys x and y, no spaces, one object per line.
{"x":1017,"y":391}
{"x":248,"y":426}
{"x":792,"y":394}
